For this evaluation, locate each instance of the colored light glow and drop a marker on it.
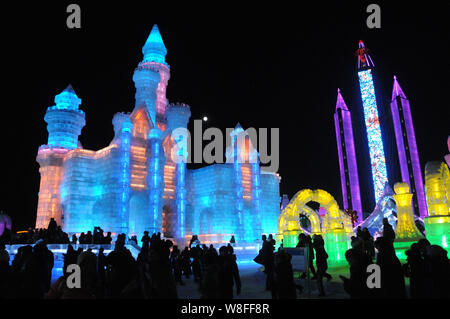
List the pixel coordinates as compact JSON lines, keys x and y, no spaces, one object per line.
{"x":65,"y":120}
{"x":437,"y":187}
{"x":123,"y":186}
{"x":154,"y":49}
{"x":336,"y":226}
{"x":406,"y":227}
{"x":376,"y":150}
{"x":406,"y":146}
{"x":347,"y":158}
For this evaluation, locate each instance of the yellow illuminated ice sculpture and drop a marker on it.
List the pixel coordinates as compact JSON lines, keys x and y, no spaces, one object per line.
{"x":437,"y":188}
{"x":406,"y":232}
{"x":335,"y":226}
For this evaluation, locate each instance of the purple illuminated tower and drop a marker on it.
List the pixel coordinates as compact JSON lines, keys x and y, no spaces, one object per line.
{"x":347,"y":157}
{"x":407,"y":148}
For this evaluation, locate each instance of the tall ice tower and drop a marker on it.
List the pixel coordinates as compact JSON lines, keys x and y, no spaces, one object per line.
{"x":347,"y":157}
{"x":154,"y":52}
{"x":65,"y":122}
{"x":372,"y":120}
{"x":407,"y":148}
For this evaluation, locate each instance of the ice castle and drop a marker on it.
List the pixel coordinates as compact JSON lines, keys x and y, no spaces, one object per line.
{"x":134,"y":184}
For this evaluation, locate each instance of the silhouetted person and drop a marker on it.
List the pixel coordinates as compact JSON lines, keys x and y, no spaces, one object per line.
{"x":369,"y":247}
{"x":392,"y":280}
{"x":196,"y":263}
{"x":101,"y":266}
{"x":108,"y":238}
{"x":186,"y":262}
{"x":440,"y":272}
{"x":37,"y":273}
{"x":232,"y":240}
{"x":228,"y":274}
{"x":70,"y":257}
{"x":356,"y":285}
{"x":270,"y":238}
{"x":175,"y":258}
{"x":284,"y":283}
{"x":52,"y":225}
{"x":415,"y":269}
{"x":321,"y":262}
{"x":145,"y":241}
{"x":388,"y":231}
{"x":311,"y":257}
{"x":268,"y":260}
{"x":82,"y":238}
{"x":89,"y":238}
{"x":359,"y":232}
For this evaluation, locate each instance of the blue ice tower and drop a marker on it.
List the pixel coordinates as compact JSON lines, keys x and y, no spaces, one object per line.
{"x":154,"y":49}
{"x":65,"y":120}
{"x":177,"y":120}
{"x":146,"y":76}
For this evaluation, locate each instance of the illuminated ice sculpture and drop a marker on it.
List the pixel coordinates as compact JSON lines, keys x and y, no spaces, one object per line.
{"x":372,"y":121}
{"x":134,"y":184}
{"x":335,"y":226}
{"x":406,"y":232}
{"x":385,"y":208}
{"x":407,"y":148}
{"x":437,"y":187}
{"x":347,"y":158}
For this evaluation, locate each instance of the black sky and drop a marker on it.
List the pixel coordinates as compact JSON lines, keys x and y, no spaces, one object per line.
{"x":262,"y":66}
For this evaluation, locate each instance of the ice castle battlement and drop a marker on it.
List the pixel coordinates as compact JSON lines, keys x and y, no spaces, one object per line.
{"x":133,"y":184}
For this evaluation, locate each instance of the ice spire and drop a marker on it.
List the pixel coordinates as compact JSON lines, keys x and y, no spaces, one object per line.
{"x":364,"y":59}
{"x":397,"y":90}
{"x":340,"y":104}
{"x":154,"y":49}
{"x":69,"y":88}
{"x":408,"y":154}
{"x":67,"y":99}
{"x":347,"y":157}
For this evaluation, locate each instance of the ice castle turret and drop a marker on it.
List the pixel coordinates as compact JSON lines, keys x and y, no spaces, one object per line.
{"x":155,"y":52}
{"x":154,"y":49}
{"x":65,"y":122}
{"x":146,"y":79}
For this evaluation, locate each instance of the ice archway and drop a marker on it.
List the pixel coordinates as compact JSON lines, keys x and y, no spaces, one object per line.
{"x":335,"y":226}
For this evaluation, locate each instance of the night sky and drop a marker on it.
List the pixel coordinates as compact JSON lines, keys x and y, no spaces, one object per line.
{"x":263,"y":66}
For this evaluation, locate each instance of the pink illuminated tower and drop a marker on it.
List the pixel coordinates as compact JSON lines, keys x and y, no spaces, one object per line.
{"x":407,"y":148}
{"x":347,"y":157}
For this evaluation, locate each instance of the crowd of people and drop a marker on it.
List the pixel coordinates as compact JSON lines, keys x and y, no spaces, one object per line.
{"x":54,"y":234}
{"x":154,"y":274}
{"x":160,"y":266}
{"x":427,"y":267}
